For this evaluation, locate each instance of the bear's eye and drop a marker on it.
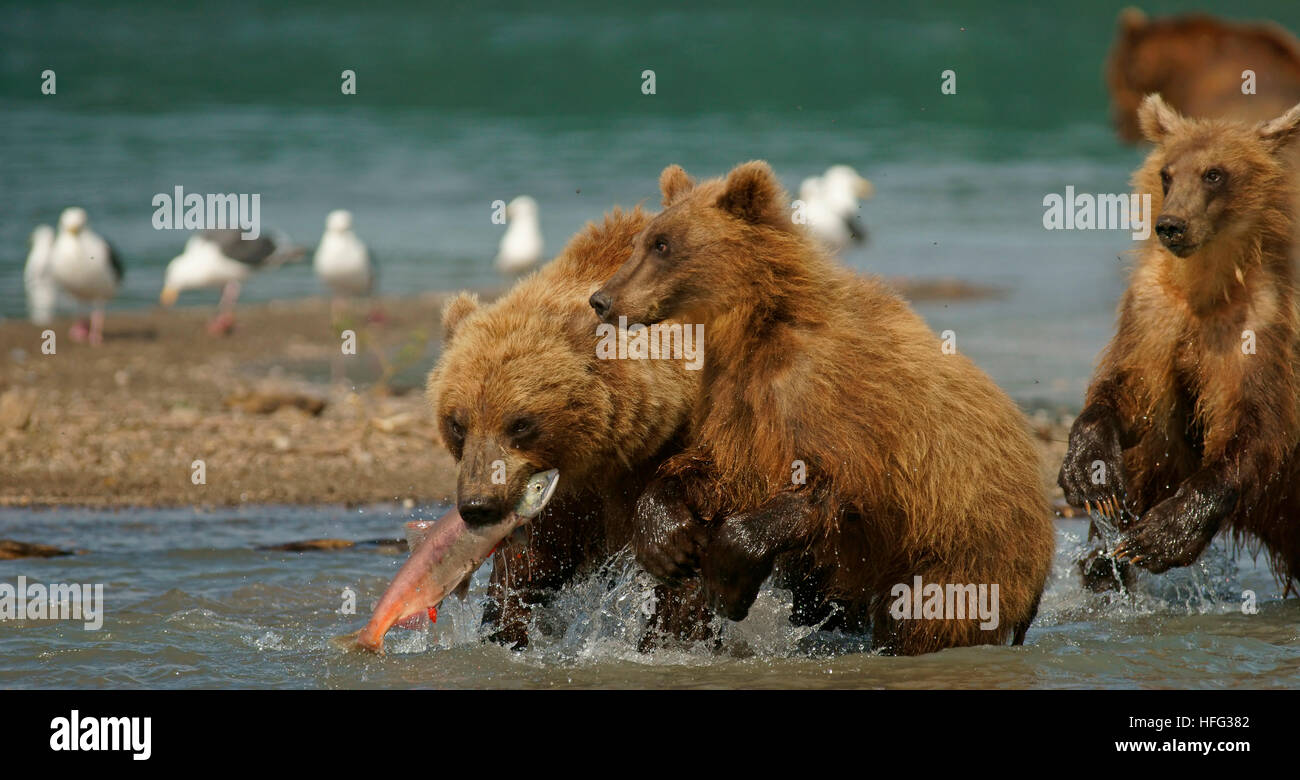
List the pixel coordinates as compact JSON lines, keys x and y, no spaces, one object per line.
{"x":521,"y":428}
{"x":1165,"y":178}
{"x":660,"y":246}
{"x":1213,"y":176}
{"x":456,"y":429}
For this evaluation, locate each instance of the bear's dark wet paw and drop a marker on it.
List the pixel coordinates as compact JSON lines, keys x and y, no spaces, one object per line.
{"x":1101,"y":572}
{"x":674,"y":554}
{"x":1177,"y":530}
{"x":514,"y":636}
{"x":667,"y":538}
{"x":1158,"y":548}
{"x":734,"y":567}
{"x":1093,"y":470}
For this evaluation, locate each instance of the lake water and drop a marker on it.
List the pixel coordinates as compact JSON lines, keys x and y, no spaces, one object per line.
{"x":191,"y":602}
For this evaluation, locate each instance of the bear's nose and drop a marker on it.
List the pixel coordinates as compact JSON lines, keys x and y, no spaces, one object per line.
{"x":481,"y":510}
{"x":1170,"y":228}
{"x":601,"y":303}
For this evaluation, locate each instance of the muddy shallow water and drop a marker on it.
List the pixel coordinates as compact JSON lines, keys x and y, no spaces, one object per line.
{"x":190,"y":602}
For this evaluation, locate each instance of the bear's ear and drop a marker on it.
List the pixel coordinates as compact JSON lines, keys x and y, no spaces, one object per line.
{"x":1156,"y":118}
{"x":454,"y":311}
{"x":1280,"y":132}
{"x":752,"y":193}
{"x":1131,"y":20}
{"x":674,"y":183}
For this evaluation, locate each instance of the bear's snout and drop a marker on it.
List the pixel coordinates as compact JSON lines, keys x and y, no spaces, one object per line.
{"x":482,"y":510}
{"x":601,"y":303}
{"x":1170,"y":229}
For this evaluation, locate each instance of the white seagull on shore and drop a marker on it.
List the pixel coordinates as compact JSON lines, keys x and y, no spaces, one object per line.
{"x":220,"y":258}
{"x":85,"y":267}
{"x":521,"y":246}
{"x":342,"y":260}
{"x":38,"y":277}
{"x":825,"y":225}
{"x":832,"y":203}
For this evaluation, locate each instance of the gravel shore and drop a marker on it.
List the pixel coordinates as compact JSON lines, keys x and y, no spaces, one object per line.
{"x":125,"y":423}
{"x":275,"y":412}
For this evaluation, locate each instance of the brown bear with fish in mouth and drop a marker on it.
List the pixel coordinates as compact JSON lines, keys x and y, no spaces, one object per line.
{"x":832,"y":439}
{"x":519,"y":389}
{"x":1192,"y":422}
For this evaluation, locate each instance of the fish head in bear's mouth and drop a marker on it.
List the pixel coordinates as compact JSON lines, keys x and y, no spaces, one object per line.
{"x":489,"y":504}
{"x":537,"y":493}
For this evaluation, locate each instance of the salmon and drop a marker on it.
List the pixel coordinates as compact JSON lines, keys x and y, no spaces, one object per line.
{"x":445,"y":555}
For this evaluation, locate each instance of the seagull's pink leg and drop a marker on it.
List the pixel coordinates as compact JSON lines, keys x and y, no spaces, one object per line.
{"x":80,"y":330}
{"x":97,"y":325}
{"x":225,"y":319}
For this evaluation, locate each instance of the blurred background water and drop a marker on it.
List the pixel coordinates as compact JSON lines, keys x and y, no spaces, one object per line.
{"x":458,"y":105}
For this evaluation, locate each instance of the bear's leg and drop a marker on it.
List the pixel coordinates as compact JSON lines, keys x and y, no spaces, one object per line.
{"x":798,"y":573}
{"x":527,"y":568}
{"x":743,"y":548}
{"x":667,"y":537}
{"x":1022,"y":627}
{"x":681,"y":617}
{"x":507,"y":616}
{"x":1275,"y":521}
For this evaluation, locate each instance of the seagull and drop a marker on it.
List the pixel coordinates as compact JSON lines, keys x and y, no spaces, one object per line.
{"x":220,"y":258}
{"x":343,"y":262}
{"x":85,"y":267}
{"x":521,"y":246}
{"x":832,"y":203}
{"x":38,"y":277}
{"x":825,"y":225}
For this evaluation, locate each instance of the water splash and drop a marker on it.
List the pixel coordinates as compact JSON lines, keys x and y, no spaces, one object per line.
{"x":604,"y":616}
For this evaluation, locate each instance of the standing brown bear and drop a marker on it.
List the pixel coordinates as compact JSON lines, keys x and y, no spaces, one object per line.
{"x":833,"y":437}
{"x":1192,"y":421}
{"x":520,"y":389}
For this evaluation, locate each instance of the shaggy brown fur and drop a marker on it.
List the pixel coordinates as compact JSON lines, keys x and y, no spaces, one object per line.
{"x":916,"y":463}
{"x":1195,"y":62}
{"x":519,"y":382}
{"x":1195,"y":432}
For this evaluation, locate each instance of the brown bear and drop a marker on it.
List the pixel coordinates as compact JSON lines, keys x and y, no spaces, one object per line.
{"x":1192,"y":421}
{"x":520,"y":389}
{"x":833,"y":437}
{"x":1198,"y":63}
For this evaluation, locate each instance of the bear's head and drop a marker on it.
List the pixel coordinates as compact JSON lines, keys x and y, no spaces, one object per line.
{"x":1214,"y":181}
{"x":517,"y":391}
{"x":684,"y":263}
{"x":511,"y":399}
